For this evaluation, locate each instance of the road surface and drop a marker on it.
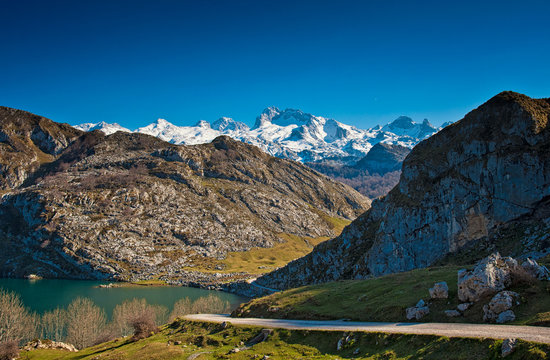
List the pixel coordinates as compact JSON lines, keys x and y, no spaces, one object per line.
{"x":529,"y":333}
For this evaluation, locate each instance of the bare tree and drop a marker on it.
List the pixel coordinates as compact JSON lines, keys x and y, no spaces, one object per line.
{"x":210,"y":304}
{"x":16,"y":323}
{"x":53,"y":325}
{"x":85,"y":322}
{"x":127,"y":313}
{"x":182,"y":307}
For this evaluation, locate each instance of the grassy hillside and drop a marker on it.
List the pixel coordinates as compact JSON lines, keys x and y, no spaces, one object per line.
{"x":386,"y":298}
{"x":199,"y":341}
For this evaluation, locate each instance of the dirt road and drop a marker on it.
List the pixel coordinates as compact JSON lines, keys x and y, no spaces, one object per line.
{"x":529,"y":333}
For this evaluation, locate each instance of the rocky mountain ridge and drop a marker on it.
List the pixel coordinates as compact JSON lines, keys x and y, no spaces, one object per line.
{"x":291,"y":134}
{"x":479,"y":185}
{"x":130,"y":206}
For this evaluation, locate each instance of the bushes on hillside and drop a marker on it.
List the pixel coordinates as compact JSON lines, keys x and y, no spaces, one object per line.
{"x":130,"y":311}
{"x":8,"y":350}
{"x":144,"y":325}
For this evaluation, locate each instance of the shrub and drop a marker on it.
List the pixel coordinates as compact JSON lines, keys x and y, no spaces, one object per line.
{"x":16,"y":323}
{"x":143,"y":325}
{"x":85,"y":322}
{"x":127,"y":313}
{"x":519,"y":276}
{"x":8,"y":350}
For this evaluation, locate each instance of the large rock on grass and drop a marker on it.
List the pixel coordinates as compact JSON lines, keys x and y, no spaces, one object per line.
{"x":492,"y":274}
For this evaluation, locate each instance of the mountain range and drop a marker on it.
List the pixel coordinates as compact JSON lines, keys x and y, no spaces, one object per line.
{"x":289,"y":133}
{"x":478,"y":186}
{"x":130,"y":206}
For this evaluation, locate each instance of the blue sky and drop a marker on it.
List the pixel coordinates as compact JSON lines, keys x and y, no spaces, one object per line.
{"x":360,"y":62}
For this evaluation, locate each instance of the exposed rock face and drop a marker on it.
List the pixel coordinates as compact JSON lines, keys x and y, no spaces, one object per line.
{"x":492,"y":274}
{"x":130,"y":206}
{"x":534,"y":269}
{"x":439,"y":291}
{"x":383,"y":158}
{"x":26,"y":142}
{"x":483,"y":176}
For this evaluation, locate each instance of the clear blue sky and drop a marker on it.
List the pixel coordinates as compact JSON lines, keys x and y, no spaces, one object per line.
{"x":360,"y":62}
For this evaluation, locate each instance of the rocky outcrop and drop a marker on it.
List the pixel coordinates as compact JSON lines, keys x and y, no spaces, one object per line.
{"x":26,"y":142}
{"x":534,"y":269}
{"x":49,"y":344}
{"x":133,"y":207}
{"x":492,"y":274}
{"x":418,"y":311}
{"x":383,"y":158}
{"x":475,"y":186}
{"x":499,"y":308}
{"x":439,"y":291}
{"x":508,"y":347}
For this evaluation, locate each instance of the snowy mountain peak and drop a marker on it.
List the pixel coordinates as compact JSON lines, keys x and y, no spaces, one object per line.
{"x":266,"y":116}
{"x":228,"y":124}
{"x":107,"y":128}
{"x":402,"y":122}
{"x":203,"y":124}
{"x":291,"y":133}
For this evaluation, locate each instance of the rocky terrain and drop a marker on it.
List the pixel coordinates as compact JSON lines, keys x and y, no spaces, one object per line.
{"x":479,"y":185}
{"x":134,"y":207}
{"x":374,"y":175}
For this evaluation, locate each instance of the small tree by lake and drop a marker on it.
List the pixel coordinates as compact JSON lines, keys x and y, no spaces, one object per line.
{"x":53,"y":325}
{"x":16,"y":323}
{"x":85,"y":322}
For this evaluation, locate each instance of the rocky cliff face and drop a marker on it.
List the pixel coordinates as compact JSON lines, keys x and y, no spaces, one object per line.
{"x":479,"y":185}
{"x":26,"y":142}
{"x":131,"y":206}
{"x":383,"y":158}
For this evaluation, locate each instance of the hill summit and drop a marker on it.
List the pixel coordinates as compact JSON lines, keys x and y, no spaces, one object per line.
{"x":480,"y":185}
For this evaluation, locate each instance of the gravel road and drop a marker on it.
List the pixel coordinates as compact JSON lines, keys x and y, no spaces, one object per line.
{"x":529,"y":333}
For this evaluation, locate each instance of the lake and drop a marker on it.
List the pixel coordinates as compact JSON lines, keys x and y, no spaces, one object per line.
{"x":44,"y":295}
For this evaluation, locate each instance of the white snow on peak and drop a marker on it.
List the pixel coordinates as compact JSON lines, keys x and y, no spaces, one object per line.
{"x":107,"y":128}
{"x":290,"y":134}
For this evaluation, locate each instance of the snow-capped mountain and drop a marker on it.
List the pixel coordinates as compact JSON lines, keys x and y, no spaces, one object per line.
{"x":290,"y":134}
{"x":107,"y":128}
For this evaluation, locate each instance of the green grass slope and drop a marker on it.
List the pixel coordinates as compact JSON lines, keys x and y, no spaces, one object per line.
{"x":386,"y":298}
{"x":200,"y":341}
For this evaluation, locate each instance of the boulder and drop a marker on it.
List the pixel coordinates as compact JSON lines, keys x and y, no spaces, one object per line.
{"x":490,"y":275}
{"x":506,"y":316}
{"x":508,"y":347}
{"x":49,"y":344}
{"x":418,"y":311}
{"x":533,"y":268}
{"x":500,"y":303}
{"x":464,"y":306}
{"x":439,"y":291}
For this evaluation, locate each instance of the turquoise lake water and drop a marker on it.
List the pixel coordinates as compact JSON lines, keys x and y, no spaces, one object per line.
{"x":44,"y":295}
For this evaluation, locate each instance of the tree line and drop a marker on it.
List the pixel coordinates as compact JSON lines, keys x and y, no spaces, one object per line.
{"x":82,"y":323}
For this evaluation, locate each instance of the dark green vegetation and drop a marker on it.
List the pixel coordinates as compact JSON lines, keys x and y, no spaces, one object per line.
{"x":212,"y":341}
{"x":386,"y":298}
